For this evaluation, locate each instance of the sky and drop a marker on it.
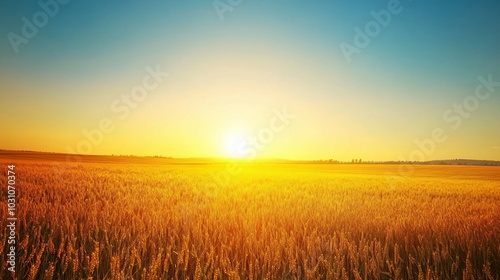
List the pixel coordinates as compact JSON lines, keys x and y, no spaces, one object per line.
{"x":296,"y":79}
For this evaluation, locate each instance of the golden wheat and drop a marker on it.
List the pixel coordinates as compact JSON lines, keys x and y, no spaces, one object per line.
{"x":107,"y":221}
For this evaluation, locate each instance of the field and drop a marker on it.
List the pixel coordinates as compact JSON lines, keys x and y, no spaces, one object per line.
{"x":140,"y":220}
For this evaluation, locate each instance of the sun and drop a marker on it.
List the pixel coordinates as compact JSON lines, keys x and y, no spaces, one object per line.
{"x":233,"y":144}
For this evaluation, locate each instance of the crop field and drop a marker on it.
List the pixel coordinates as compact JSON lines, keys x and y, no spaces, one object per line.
{"x":114,"y":220}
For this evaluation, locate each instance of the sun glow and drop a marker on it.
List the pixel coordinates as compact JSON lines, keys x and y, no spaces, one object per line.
{"x":233,"y":144}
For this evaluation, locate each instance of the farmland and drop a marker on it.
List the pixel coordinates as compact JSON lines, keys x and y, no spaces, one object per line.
{"x":119,"y":220}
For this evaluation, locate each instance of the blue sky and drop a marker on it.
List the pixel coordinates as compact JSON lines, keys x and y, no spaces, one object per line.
{"x":427,"y":59}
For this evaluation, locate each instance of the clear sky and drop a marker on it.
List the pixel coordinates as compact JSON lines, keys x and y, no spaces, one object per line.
{"x":231,"y":68}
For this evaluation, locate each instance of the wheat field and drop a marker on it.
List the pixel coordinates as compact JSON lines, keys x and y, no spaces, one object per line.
{"x":271,"y":221}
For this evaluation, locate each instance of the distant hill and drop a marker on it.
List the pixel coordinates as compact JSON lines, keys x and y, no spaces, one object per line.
{"x":131,"y":159}
{"x":465,"y":162}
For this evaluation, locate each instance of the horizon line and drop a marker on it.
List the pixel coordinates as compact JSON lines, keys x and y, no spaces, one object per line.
{"x":327,"y":160}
